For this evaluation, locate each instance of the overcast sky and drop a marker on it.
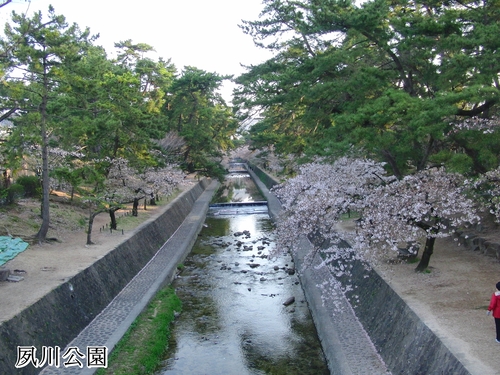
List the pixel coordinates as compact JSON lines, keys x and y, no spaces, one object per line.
{"x":200,"y":33}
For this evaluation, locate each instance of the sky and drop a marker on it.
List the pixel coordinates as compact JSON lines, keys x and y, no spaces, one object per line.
{"x":199,"y":33}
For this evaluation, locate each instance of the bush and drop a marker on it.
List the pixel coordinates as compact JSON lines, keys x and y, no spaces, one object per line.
{"x":31,"y":185}
{"x":14,"y":192}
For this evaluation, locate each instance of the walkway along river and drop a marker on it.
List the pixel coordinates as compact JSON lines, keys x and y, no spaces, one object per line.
{"x":243,"y":313}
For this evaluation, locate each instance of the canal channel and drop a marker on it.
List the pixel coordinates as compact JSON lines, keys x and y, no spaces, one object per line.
{"x":244,"y":311}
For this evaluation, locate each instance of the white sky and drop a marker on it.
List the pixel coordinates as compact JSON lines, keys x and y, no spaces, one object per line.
{"x":200,"y":33}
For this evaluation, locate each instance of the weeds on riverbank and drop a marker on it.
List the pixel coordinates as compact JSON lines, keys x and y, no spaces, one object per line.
{"x":140,"y":350}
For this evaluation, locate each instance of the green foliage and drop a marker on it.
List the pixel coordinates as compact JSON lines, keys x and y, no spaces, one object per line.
{"x":456,"y":162}
{"x":36,"y":52}
{"x":31,"y":186}
{"x":200,"y":116}
{"x":77,"y":111}
{"x":13,"y":193}
{"x":382,"y":79}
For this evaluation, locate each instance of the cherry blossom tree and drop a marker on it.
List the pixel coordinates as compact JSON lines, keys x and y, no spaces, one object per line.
{"x":124,"y":185}
{"x":428,"y":204}
{"x":315,"y":200}
{"x":110,"y":192}
{"x":161,"y":181}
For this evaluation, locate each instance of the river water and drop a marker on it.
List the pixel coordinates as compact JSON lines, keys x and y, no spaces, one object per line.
{"x":238,"y":316}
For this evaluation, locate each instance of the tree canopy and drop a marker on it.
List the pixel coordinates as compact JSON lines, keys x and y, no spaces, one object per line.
{"x":387,"y":78}
{"x":75,"y":112}
{"x":412,"y":86}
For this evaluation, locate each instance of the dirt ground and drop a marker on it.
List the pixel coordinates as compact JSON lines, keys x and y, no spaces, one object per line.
{"x":451,"y":299}
{"x":46,"y":266}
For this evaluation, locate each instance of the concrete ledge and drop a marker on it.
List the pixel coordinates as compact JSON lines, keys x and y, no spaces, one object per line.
{"x":59,"y":316}
{"x":273,"y":203}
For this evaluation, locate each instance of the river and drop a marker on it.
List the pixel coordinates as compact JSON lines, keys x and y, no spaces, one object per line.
{"x":243,"y":311}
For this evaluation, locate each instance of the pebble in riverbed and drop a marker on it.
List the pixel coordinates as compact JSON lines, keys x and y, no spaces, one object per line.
{"x":245,"y":233}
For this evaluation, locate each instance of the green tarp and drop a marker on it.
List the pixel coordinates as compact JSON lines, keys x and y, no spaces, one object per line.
{"x":10,"y":247}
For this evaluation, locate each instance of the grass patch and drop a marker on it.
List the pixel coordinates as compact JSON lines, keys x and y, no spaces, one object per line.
{"x":142,"y":347}
{"x":412,"y":260}
{"x":130,"y":222}
{"x":484,"y":307}
{"x":350,"y":216}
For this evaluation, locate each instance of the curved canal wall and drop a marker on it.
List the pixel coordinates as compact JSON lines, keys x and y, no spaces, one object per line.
{"x":60,"y":316}
{"x":403,"y":341}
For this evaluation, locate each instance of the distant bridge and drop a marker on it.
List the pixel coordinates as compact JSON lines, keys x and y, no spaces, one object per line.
{"x":237,"y":168}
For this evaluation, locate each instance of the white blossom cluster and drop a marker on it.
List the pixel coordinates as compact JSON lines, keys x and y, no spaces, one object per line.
{"x":486,"y":125}
{"x":32,"y":157}
{"x":162,"y":181}
{"x":427,"y":204}
{"x":125,"y":183}
{"x":122,"y":183}
{"x":320,"y":194}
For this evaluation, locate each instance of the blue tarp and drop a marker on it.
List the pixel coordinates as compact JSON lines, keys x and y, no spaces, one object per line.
{"x":10,"y":247}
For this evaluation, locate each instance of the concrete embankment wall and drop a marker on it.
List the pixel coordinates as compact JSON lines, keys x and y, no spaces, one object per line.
{"x":405,"y":343}
{"x":59,"y":316}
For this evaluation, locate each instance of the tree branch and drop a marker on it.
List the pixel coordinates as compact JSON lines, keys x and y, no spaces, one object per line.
{"x":478,"y":110}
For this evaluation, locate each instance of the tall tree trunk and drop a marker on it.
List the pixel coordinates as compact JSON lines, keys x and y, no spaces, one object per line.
{"x":426,"y":255}
{"x":92,"y":216}
{"x":386,"y":154}
{"x":112,"y":216}
{"x":42,"y":232}
{"x":135,"y":206}
{"x":425,"y":157}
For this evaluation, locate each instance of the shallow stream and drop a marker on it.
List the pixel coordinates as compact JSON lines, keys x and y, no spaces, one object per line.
{"x":243,"y":313}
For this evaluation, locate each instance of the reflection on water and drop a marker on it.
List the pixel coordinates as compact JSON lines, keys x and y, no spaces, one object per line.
{"x":237,"y":180}
{"x":233,"y":319}
{"x":242,"y":188}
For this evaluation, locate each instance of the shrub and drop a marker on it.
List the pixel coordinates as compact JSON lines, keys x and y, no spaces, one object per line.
{"x":31,"y":185}
{"x":14,"y":192}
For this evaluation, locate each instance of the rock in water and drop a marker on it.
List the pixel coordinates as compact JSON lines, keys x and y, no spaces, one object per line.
{"x":289,"y":301}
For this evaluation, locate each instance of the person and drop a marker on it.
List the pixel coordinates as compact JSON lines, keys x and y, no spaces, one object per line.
{"x":495,"y":307}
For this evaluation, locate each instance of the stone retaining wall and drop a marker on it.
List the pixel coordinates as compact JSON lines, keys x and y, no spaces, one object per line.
{"x":60,"y":316}
{"x":404,"y":342}
{"x":268,"y":180}
{"x":473,"y":240}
